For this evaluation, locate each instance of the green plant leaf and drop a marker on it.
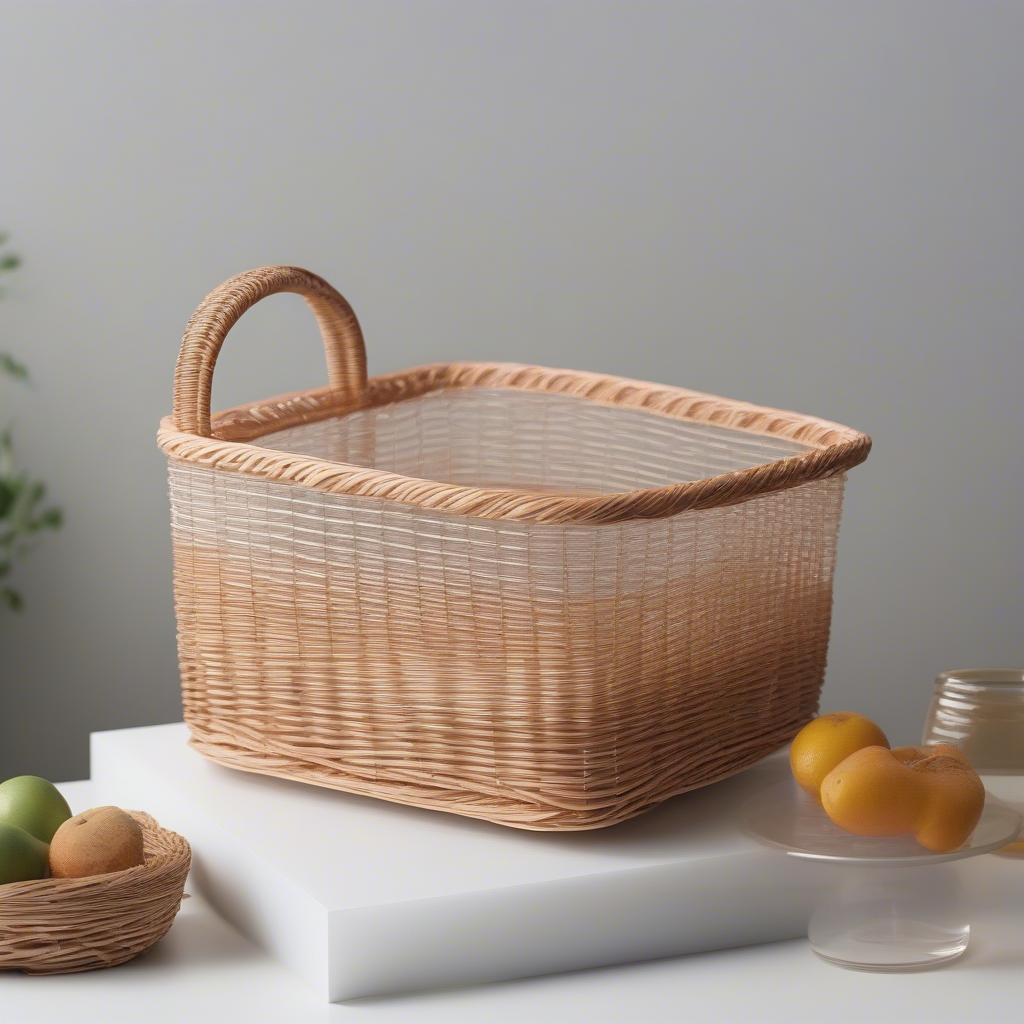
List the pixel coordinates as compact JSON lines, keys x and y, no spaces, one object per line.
{"x":51,"y":519}
{"x":13,"y":368}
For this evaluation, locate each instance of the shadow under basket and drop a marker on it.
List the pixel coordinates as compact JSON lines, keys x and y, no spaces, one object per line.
{"x":546,"y":598}
{"x":64,"y":925}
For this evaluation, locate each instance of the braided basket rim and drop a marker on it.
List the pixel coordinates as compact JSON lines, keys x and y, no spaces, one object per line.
{"x":831,"y":447}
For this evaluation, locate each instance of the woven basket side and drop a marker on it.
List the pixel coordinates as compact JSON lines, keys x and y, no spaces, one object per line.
{"x":545,"y":676}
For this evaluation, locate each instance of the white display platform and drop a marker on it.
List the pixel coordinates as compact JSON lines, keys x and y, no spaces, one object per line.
{"x":204,"y":970}
{"x":362,"y":897}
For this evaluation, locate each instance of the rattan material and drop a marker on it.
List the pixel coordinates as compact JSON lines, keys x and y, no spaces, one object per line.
{"x":546,"y":598}
{"x":63,"y":925}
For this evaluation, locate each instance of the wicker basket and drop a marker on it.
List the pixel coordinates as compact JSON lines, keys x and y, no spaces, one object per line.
{"x":63,"y":925}
{"x":545,"y":598}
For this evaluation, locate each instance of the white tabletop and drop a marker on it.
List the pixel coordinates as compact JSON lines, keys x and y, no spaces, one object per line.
{"x":205,"y":970}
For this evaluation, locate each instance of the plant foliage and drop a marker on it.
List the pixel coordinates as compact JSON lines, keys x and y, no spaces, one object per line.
{"x":24,"y":513}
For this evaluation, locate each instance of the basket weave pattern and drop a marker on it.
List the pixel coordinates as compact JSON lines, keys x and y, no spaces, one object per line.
{"x":543,"y":598}
{"x":64,"y":925}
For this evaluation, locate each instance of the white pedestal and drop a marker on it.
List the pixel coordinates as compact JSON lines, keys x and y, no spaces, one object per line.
{"x":362,"y":897}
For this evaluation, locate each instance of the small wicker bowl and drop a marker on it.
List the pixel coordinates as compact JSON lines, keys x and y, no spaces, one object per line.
{"x":63,"y":925}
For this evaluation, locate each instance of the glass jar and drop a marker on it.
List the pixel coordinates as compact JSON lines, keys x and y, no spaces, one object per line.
{"x":981,"y":711}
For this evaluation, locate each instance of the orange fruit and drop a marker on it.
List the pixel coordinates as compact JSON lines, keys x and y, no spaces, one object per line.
{"x":931,"y":793}
{"x":910,"y":755}
{"x":820,"y":745}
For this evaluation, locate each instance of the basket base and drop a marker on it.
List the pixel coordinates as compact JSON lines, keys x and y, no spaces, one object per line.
{"x":498,"y":809}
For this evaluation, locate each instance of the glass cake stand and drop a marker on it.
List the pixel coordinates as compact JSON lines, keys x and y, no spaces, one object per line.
{"x":888,"y":904}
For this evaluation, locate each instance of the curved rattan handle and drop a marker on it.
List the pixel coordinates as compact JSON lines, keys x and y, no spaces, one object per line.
{"x":219,"y":312}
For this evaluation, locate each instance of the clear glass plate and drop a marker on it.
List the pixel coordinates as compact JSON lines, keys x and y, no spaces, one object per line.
{"x":786,"y":817}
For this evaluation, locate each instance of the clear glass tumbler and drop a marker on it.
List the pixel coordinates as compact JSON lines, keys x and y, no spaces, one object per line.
{"x":982,"y":711}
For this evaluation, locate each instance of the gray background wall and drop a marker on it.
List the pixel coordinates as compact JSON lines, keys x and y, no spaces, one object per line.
{"x":810,"y":205}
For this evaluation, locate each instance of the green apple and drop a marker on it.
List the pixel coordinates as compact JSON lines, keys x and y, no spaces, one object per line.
{"x":22,"y":856}
{"x":33,"y":804}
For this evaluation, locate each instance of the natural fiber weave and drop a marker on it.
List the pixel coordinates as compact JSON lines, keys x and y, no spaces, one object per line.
{"x":546,"y":598}
{"x":63,"y":925}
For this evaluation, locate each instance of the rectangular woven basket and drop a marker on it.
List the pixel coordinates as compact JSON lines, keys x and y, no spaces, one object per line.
{"x":546,"y":598}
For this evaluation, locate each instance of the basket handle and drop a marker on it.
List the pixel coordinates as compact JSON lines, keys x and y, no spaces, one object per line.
{"x":220,"y":311}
